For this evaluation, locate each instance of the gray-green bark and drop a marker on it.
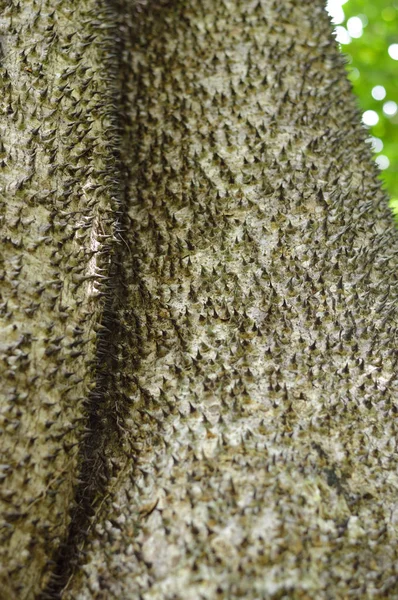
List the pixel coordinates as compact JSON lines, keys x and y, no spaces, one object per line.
{"x":58,"y":209}
{"x":244,"y":414}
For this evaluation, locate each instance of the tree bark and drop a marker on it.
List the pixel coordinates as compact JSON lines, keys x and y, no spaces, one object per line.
{"x":241,"y":437}
{"x":58,"y":206}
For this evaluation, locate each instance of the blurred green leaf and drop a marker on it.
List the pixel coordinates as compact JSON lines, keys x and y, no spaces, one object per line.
{"x":369,"y":65}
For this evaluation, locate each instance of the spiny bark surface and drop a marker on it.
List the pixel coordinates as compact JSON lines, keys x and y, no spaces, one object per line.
{"x":246,"y":391}
{"x":256,"y":360}
{"x":58,"y":186}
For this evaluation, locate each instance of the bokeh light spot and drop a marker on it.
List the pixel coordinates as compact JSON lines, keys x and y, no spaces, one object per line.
{"x":379,"y":92}
{"x":354,"y":74}
{"x":388,"y":14}
{"x":364,"y":20}
{"x":342,"y":35}
{"x":355,"y":27}
{"x":393,"y":51}
{"x":377,"y":144}
{"x":370,"y":117}
{"x":390,"y":108}
{"x":382,"y":162}
{"x":335,"y":10}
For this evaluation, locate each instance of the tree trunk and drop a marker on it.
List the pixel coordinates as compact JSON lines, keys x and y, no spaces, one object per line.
{"x":240,"y":441}
{"x":58,"y":210}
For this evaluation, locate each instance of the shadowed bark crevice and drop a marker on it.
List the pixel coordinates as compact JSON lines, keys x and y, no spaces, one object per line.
{"x":106,"y":406}
{"x":105,"y":410}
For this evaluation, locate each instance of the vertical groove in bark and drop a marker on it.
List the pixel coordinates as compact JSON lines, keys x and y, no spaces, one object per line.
{"x":106,"y":405}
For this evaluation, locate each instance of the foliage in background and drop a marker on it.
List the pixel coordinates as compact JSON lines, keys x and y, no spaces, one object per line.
{"x":368,"y":33}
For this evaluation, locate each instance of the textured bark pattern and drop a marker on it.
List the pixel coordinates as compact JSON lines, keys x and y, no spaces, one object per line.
{"x":246,"y":397}
{"x":258,"y":313}
{"x":57,"y":210}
